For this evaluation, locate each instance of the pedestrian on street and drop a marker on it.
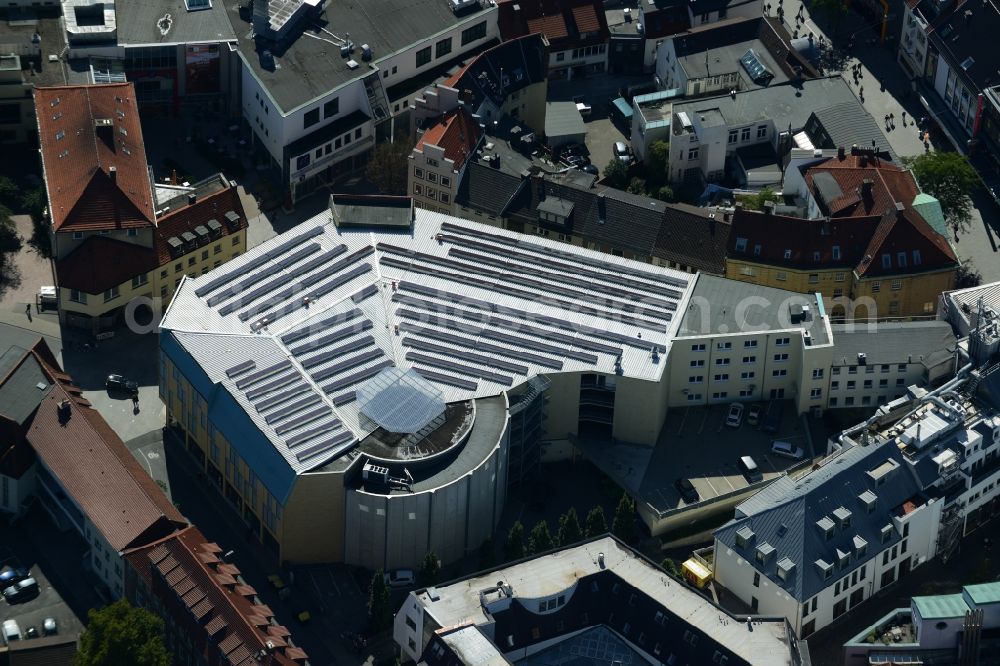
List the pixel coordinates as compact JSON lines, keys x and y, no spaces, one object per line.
{"x":902,"y":115}
{"x":27,"y":311}
{"x":861,"y":91}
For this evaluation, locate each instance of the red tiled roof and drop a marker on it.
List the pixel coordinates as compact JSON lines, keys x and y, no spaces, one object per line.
{"x":78,"y":157}
{"x":905,"y":232}
{"x":553,"y":27}
{"x":561,"y":21}
{"x":212,"y":207}
{"x":233,"y":622}
{"x":889,"y":183}
{"x":456,"y":132}
{"x":101,"y":263}
{"x":586,"y":19}
{"x":794,"y":242}
{"x":94,"y":467}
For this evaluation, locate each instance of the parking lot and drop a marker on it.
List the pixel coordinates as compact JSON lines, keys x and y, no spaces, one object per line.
{"x":600,"y":90}
{"x":696,"y":444}
{"x":20,"y":549}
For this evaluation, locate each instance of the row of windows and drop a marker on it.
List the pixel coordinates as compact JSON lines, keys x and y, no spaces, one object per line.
{"x":330,"y":109}
{"x":882,"y":383}
{"x":131,"y":233}
{"x":743,"y":134}
{"x":430,"y":176}
{"x":431,"y":193}
{"x":302,"y":161}
{"x":870,"y":369}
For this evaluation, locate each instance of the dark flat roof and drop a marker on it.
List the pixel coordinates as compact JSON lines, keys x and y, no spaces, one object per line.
{"x":371,"y":211}
{"x":311,"y":66}
{"x":139,"y":22}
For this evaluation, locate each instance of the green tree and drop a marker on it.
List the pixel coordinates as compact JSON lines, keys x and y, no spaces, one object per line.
{"x":388,"y":165}
{"x":616,"y":173}
{"x":756,"y":201}
{"x":430,"y":569}
{"x":487,"y":554}
{"x":967,"y":276}
{"x":540,"y":539}
{"x":596,"y":523}
{"x":379,"y":610}
{"x":623,"y":526}
{"x":10,"y":193}
{"x":569,"y":531}
{"x":637,"y":186}
{"x":670,"y":567}
{"x":666,"y":193}
{"x":10,"y":241}
{"x":122,"y":635}
{"x":657,"y":160}
{"x":514,"y":548}
{"x":833,"y":10}
{"x":948,"y":177}
{"x":34,"y":203}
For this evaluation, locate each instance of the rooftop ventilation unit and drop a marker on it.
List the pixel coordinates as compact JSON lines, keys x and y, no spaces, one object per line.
{"x":366,"y":52}
{"x":459,"y":5}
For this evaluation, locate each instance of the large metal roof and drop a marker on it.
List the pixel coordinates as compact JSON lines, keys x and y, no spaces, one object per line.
{"x":295,"y":327}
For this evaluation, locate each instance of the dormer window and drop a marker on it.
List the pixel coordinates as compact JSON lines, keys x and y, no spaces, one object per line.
{"x":825,"y":526}
{"x":554,"y":210}
{"x":786,"y":568}
{"x":843,"y":558}
{"x":741,"y":244}
{"x":886,"y":533}
{"x":868,"y":500}
{"x":843,"y":517}
{"x":860,"y":547}
{"x":744,"y":536}
{"x":825,"y":568}
{"x":764,"y":553}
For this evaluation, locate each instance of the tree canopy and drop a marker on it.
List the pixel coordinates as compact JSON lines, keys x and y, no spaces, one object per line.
{"x":948,"y":177}
{"x":616,"y":173}
{"x":387,"y":167}
{"x":122,"y":635}
{"x":514,"y":548}
{"x":597,"y":524}
{"x":569,"y":528}
{"x":540,"y":539}
{"x":379,"y":608}
{"x":430,"y":569}
{"x":623,"y":525}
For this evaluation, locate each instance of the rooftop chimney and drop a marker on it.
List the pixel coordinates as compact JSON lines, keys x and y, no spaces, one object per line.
{"x":866,"y":188}
{"x":113,"y":173}
{"x":192,"y":198}
{"x":841,"y":153}
{"x":769,"y":208}
{"x":899,"y":209}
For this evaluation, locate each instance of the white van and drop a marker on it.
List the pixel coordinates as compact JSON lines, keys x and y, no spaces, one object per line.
{"x":786,"y":450}
{"x":750,"y":469}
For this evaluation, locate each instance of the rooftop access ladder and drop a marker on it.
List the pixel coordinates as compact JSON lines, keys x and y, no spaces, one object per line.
{"x":377,"y":99}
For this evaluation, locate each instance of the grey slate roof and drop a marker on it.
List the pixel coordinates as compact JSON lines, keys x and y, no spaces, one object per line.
{"x":563,"y":119}
{"x":309,"y":68}
{"x":487,"y":188}
{"x":784,"y":514}
{"x":785,"y":104}
{"x":894,"y":343}
{"x":692,"y":238}
{"x":20,"y":394}
{"x":723,"y":296}
{"x":139,"y":22}
{"x":848,"y":124}
{"x":717,"y":49}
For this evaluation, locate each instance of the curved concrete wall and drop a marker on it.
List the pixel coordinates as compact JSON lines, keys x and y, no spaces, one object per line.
{"x":452,"y":519}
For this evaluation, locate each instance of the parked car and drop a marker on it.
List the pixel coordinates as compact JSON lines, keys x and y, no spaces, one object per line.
{"x":31,"y":632}
{"x":590,"y":168}
{"x":576,"y":160}
{"x":10,"y":575}
{"x":49,"y":627}
{"x":786,"y":450}
{"x":621,"y":152}
{"x":120,"y":383}
{"x":575,"y":149}
{"x":687,"y":490}
{"x":400,"y":578}
{"x":734,"y":419}
{"x":772,"y":419}
{"x":582,"y":106}
{"x":21,"y":591}
{"x":750,"y":470}
{"x":11,"y":632}
{"x":754,"y":413}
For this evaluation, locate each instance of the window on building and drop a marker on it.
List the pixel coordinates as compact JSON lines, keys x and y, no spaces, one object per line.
{"x":692,"y":154}
{"x":111,"y":294}
{"x":139,"y":280}
{"x":698,"y":363}
{"x":698,"y":348}
{"x":779,"y":373}
{"x":217,"y":249}
{"x":236,"y":241}
{"x":876,"y":286}
{"x":423,"y":56}
{"x":749,"y":359}
{"x":782,"y":342}
{"x":813,"y":278}
{"x":886,"y":260}
{"x":77,"y":296}
{"x":897,"y":285}
{"x":331,"y":108}
{"x":745,"y":134}
{"x":474,"y":33}
{"x":761,"y":129}
{"x":817,"y":373}
{"x":734,"y":135}
{"x":442,"y":48}
{"x":310,"y":118}
{"x":916,"y":258}
{"x":741,"y":244}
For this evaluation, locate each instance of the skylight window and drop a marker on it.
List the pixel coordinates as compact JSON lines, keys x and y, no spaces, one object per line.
{"x":967,"y":63}
{"x":195,"y":5}
{"x":758,"y":71}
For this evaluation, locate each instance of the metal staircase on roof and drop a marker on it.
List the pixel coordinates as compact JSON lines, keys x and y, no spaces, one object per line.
{"x":376,"y":97}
